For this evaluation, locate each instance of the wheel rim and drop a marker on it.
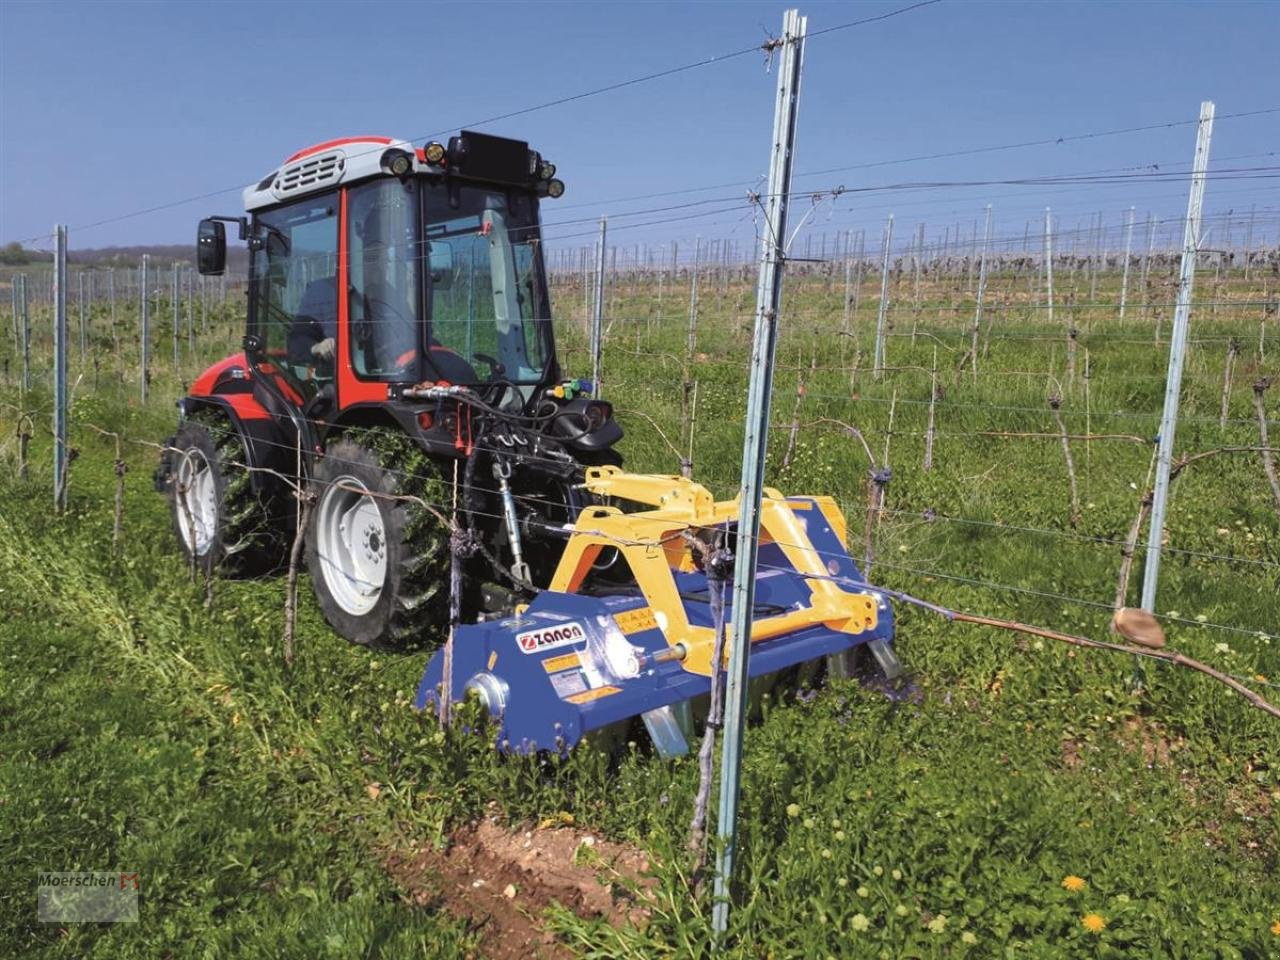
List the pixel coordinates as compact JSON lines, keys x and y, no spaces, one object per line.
{"x":197,"y":502}
{"x":351,"y":541}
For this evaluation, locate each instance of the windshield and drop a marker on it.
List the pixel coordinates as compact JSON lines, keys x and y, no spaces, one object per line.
{"x":490,"y":316}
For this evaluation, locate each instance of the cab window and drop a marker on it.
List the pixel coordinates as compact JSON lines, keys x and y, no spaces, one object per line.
{"x":295,"y":265}
{"x":383,"y":272}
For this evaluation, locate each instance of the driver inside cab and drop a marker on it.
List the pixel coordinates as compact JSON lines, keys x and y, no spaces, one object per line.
{"x":315,"y":325}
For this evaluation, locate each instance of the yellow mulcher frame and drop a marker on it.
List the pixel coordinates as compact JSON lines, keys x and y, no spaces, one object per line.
{"x":653,"y":544}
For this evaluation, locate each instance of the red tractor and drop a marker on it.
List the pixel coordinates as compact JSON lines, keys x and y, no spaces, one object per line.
{"x":399,"y":363}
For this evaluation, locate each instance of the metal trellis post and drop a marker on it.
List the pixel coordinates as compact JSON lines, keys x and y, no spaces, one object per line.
{"x":176,"y":321}
{"x":982,"y":293}
{"x":83,"y":333}
{"x":1048,"y":262}
{"x":60,"y":368}
{"x":26,"y":335}
{"x":597,"y":313}
{"x":146,"y":325}
{"x":882,"y":315}
{"x":693,"y":300}
{"x":768,"y":298}
{"x":1177,"y":353}
{"x":1128,"y":250}
{"x":13,"y":295}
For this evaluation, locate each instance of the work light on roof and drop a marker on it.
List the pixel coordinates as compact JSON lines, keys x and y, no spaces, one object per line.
{"x":433,"y":152}
{"x":398,"y":162}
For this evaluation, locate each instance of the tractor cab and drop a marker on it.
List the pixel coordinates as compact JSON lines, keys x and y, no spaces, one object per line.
{"x":375,"y":265}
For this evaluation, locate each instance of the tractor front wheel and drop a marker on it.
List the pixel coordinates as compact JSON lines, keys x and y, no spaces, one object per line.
{"x":219,"y":519}
{"x":379,"y":558}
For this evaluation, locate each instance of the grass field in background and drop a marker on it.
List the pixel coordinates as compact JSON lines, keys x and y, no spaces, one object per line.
{"x":142,"y":730}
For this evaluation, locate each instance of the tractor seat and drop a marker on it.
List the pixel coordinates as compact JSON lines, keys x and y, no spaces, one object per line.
{"x":449,"y":364}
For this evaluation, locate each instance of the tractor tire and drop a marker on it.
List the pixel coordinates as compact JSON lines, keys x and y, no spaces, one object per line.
{"x":220,"y":521}
{"x":379,"y":561}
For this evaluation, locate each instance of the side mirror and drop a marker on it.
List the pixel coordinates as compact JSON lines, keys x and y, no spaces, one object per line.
{"x":211,"y":248}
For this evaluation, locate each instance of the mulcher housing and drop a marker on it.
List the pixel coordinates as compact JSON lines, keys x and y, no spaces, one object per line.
{"x":572,"y":663}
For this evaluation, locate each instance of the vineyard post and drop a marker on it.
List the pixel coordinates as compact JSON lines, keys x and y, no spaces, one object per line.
{"x":60,"y":368}
{"x":146,"y":325}
{"x":175,"y":298}
{"x":1097,"y":257}
{"x":662,"y":273}
{"x":848,"y":282}
{"x":693,"y":302}
{"x":857,"y":280}
{"x":927,"y":464}
{"x":982,"y":293}
{"x":80,"y":284}
{"x":597,"y":309}
{"x":1146,"y":265}
{"x":973,"y":255}
{"x":1128,"y":249}
{"x":1248,"y":239}
{"x":917,"y":256}
{"x":13,"y":295}
{"x":1177,"y":353}
{"x":754,"y":450}
{"x":26,"y":336}
{"x":191,"y":310}
{"x":882,"y":315}
{"x":1233,"y":351}
{"x":1048,"y":264}
{"x":1268,"y":462}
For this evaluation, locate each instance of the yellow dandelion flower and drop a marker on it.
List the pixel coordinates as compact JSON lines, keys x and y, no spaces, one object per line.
{"x":1275,"y":928}
{"x":1073,"y":883}
{"x":1093,"y":922}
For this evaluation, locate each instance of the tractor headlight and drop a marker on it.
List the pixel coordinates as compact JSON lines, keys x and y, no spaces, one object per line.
{"x":397,"y":162}
{"x":433,"y":153}
{"x":546,"y":170}
{"x":596,"y":414}
{"x":555,"y":189}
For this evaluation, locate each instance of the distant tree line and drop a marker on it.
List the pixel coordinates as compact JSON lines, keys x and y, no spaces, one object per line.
{"x":16,"y":255}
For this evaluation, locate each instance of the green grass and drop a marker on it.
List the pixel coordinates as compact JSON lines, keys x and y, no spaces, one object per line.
{"x":140,"y":730}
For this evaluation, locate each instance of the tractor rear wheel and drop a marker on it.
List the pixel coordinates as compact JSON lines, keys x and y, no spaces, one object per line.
{"x":219,"y":519}
{"x":379,"y":559}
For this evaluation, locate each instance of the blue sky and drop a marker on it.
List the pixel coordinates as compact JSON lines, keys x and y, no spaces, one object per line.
{"x":111,"y":108}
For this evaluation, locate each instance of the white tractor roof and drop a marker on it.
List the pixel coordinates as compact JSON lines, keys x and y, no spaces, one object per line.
{"x":324,"y":166}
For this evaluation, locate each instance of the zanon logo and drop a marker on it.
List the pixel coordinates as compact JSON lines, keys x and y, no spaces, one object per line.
{"x":535,"y":641}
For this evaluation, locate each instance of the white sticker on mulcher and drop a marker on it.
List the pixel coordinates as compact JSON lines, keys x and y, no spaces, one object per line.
{"x":548,"y":638}
{"x":568,"y":683}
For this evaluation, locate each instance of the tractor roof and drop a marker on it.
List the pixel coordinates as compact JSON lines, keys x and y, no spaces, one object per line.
{"x":324,"y":166}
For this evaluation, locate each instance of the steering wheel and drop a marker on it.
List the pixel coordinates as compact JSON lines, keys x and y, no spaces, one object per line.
{"x":496,"y":367}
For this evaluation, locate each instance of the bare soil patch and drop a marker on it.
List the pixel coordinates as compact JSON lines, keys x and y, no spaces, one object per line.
{"x":502,"y":880}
